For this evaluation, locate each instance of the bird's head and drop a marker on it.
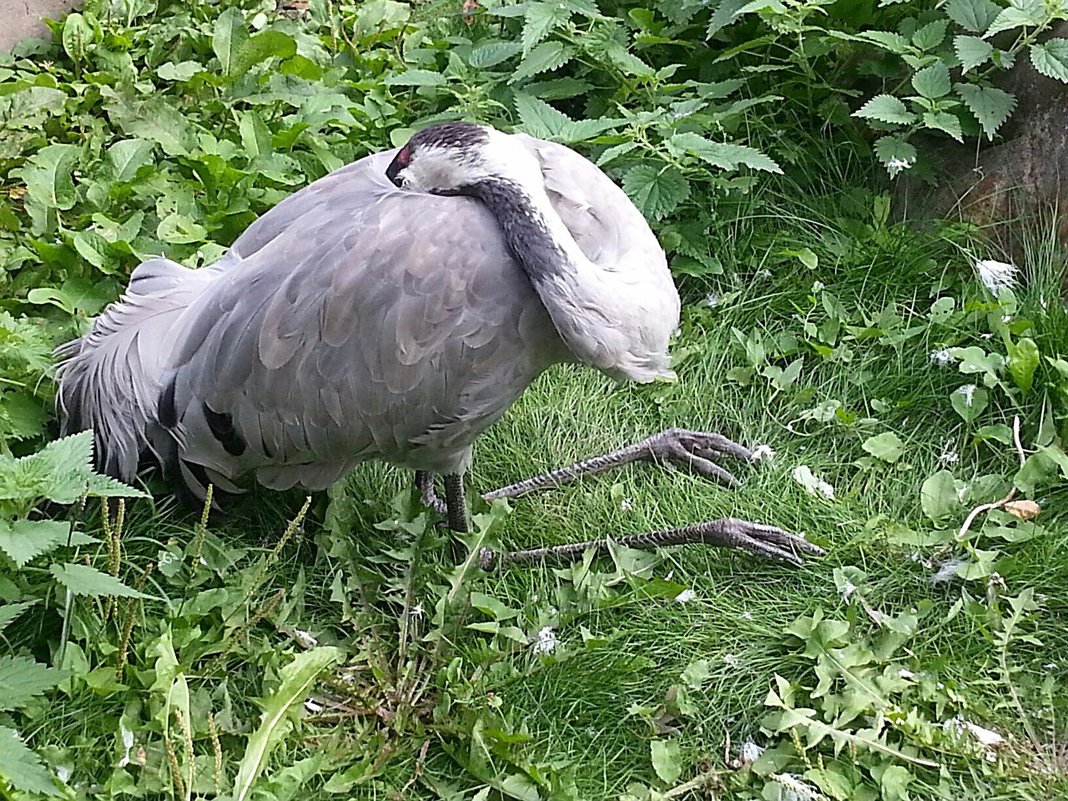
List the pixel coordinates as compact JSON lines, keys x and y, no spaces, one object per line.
{"x":450,"y":158}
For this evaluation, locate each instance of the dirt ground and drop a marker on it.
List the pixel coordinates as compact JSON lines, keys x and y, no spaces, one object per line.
{"x":22,"y":18}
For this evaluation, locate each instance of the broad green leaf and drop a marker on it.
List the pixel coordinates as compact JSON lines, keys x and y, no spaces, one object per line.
{"x":180,"y":229}
{"x":990,"y":105}
{"x":1023,"y":361}
{"x":667,"y":760}
{"x":944,"y":121}
{"x":1040,"y":468}
{"x":972,"y":52}
{"x":296,"y":680}
{"x":656,"y":191}
{"x":22,"y":679}
{"x":886,"y":108}
{"x":1021,"y":13}
{"x":696,"y":674}
{"x":77,"y":36}
{"x":23,"y":540}
{"x":260,"y":47}
{"x":86,"y":580}
{"x":932,"y":82}
{"x":969,"y":402}
{"x":21,"y":769}
{"x":416,"y":78}
{"x":892,"y":42}
{"x":724,"y":155}
{"x":1051,"y":58}
{"x":181,"y":71}
{"x":255,"y":135}
{"x":540,"y":20}
{"x":973,"y":15}
{"x":894,"y":783}
{"x":930,"y":35}
{"x":127,"y":156}
{"x":939,"y":499}
{"x":540,"y":119}
{"x":47,"y":176}
{"x":895,"y":153}
{"x":724,"y":14}
{"x":886,"y":446}
{"x":229,"y":35}
{"x":545,"y":57}
{"x":491,"y":54}
{"x":156,"y":120}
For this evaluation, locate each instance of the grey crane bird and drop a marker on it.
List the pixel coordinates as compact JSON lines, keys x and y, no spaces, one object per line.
{"x":393,"y":310}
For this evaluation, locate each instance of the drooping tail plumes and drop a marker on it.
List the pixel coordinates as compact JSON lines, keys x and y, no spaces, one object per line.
{"x":109,"y":378}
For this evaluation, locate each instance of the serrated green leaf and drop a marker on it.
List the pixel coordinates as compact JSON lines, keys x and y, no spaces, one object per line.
{"x":416,"y":77}
{"x":972,"y":51}
{"x":724,"y":14}
{"x":930,"y":35}
{"x":1021,"y":13}
{"x":127,"y":156}
{"x":86,"y":580}
{"x":666,"y":759}
{"x":491,"y":54}
{"x":22,"y":679}
{"x":540,"y":119}
{"x":892,"y":42}
{"x":886,"y":446}
{"x":1051,"y":59}
{"x":886,"y":108}
{"x":296,"y":679}
{"x":932,"y":82}
{"x":229,"y":35}
{"x":656,"y":191}
{"x":21,"y":769}
{"x":545,"y":57}
{"x":540,"y":20}
{"x":990,"y":105}
{"x":724,"y":155}
{"x":47,"y":176}
{"x":895,"y":154}
{"x":23,"y":540}
{"x":973,"y":15}
{"x":944,"y":121}
{"x":10,"y":612}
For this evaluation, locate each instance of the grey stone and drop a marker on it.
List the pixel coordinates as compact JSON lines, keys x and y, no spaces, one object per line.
{"x":22,"y":18}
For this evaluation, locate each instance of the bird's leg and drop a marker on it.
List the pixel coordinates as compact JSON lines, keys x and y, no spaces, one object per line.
{"x":424,"y":485}
{"x":693,"y":450}
{"x":760,"y":540}
{"x":456,"y":503}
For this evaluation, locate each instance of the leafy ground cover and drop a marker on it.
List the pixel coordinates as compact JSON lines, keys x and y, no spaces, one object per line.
{"x":346,"y":654}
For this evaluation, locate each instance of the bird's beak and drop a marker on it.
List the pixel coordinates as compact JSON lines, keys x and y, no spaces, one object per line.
{"x":393,"y":173}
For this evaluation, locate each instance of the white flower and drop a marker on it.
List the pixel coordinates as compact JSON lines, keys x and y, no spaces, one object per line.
{"x":941,"y":357}
{"x":626,"y":504}
{"x":545,"y":642}
{"x":751,"y":751}
{"x":712,"y":300}
{"x":685,"y":596}
{"x":898,"y":165}
{"x":804,"y":476}
{"x":949,"y":457}
{"x":731,"y":659}
{"x":746,"y":615}
{"x":996,"y":275}
{"x":417,"y":610}
{"x":763,"y":453}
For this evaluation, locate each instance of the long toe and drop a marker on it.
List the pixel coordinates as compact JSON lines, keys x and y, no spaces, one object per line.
{"x":767,"y":541}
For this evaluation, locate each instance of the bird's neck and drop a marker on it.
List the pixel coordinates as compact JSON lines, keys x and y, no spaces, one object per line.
{"x":597,"y":312}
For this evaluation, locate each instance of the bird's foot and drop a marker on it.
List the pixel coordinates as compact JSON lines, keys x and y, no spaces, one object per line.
{"x":699,"y":451}
{"x":424,"y":483}
{"x":768,"y":542}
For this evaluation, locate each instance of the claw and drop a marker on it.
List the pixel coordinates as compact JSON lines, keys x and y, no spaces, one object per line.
{"x":698,"y":451}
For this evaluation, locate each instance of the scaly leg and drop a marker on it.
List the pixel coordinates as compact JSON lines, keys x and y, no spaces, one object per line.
{"x":694,"y":450}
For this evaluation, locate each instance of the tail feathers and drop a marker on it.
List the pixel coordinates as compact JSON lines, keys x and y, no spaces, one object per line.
{"x":109,"y":378}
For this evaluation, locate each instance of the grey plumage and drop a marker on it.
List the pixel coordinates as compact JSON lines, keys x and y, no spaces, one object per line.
{"x":358,"y":320}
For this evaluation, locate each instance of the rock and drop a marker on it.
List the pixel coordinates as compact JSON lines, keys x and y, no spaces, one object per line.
{"x":22,"y":18}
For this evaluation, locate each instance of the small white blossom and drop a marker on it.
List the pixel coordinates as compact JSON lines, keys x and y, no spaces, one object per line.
{"x":763,"y":453}
{"x":731,"y":659}
{"x":941,"y":357}
{"x":746,"y":615}
{"x":685,"y":596}
{"x":751,"y":751}
{"x":626,"y":504}
{"x":712,"y":300}
{"x":949,"y":457}
{"x":996,"y":275}
{"x":417,"y":610}
{"x":898,"y":165}
{"x":545,"y":642}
